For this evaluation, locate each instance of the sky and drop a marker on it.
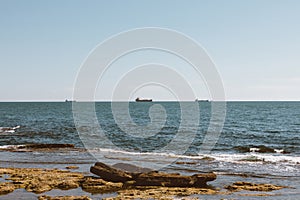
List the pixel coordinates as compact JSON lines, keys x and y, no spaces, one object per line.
{"x":255,"y":44}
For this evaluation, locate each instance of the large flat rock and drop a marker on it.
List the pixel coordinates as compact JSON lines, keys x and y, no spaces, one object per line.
{"x":151,"y":178}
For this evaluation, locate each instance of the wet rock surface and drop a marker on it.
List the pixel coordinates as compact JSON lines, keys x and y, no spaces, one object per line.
{"x":45,"y":197}
{"x":41,"y":180}
{"x":131,"y":168}
{"x":46,"y":146}
{"x":160,"y":193}
{"x":72,"y":167}
{"x":237,"y":186}
{"x":97,"y":185}
{"x":40,"y":147}
{"x":6,"y":188}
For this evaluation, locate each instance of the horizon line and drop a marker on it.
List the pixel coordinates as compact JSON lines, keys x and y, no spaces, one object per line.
{"x":200,"y":100}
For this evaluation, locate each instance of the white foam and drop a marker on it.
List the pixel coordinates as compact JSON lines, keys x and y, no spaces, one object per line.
{"x":16,"y":127}
{"x":3,"y":147}
{"x":279,"y":150}
{"x":233,"y":158}
{"x":237,"y":158}
{"x":254,"y":149}
{"x":8,"y":129}
{"x":158,"y":154}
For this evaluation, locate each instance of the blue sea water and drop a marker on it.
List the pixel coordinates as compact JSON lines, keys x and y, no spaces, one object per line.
{"x":249,"y":128}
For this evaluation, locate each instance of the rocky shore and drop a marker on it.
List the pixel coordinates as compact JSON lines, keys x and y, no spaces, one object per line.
{"x":125,"y":184}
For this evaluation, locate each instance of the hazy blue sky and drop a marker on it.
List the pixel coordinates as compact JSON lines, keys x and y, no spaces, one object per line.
{"x":255,"y":44}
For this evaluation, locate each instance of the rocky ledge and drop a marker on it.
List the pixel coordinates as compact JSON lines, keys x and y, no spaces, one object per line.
{"x":132,"y":183}
{"x":238,"y":186}
{"x":45,"y":197}
{"x":39,"y":180}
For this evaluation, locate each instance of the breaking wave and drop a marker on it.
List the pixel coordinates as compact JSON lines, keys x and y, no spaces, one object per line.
{"x":214,"y":157}
{"x":8,"y":129}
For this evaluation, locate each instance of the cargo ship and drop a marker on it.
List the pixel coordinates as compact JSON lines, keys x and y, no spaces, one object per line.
{"x":142,"y":100}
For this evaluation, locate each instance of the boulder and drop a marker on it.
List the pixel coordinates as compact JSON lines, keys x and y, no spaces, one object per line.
{"x":109,"y":173}
{"x":153,"y":178}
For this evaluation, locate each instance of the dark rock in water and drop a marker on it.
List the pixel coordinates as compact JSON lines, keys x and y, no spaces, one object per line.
{"x":46,"y":146}
{"x":259,"y":149}
{"x":185,"y":163}
{"x":264,"y":149}
{"x":242,"y":149}
{"x":72,"y":167}
{"x":153,"y":178}
{"x":237,"y":186}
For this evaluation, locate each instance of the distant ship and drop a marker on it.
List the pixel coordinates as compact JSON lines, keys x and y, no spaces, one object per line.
{"x":142,"y":100}
{"x":69,"y":100}
{"x":203,"y":100}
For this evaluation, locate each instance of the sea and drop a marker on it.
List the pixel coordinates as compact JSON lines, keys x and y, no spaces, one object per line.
{"x":259,"y":141}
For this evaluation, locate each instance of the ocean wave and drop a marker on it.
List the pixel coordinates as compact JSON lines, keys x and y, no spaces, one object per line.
{"x":214,"y":157}
{"x":256,"y":157}
{"x":9,"y":129}
{"x":248,"y":157}
{"x":158,"y":154}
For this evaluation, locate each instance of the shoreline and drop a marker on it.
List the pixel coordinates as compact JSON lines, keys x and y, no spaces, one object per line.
{"x":61,"y":174}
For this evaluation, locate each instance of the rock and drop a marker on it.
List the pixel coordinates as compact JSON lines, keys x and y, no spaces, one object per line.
{"x":45,"y":197}
{"x":237,"y":186}
{"x":207,"y":158}
{"x":46,"y":146}
{"x":68,"y":184}
{"x":96,"y":185}
{"x":6,"y":188}
{"x":264,"y":149}
{"x":151,"y":178}
{"x":160,"y":193}
{"x":256,"y":195}
{"x":42,"y":180}
{"x":72,"y":167}
{"x":174,"y":180}
{"x":185,"y":163}
{"x":259,"y":149}
{"x":38,"y":187}
{"x":131,"y":168}
{"x":242,"y":149}
{"x":110,"y":174}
